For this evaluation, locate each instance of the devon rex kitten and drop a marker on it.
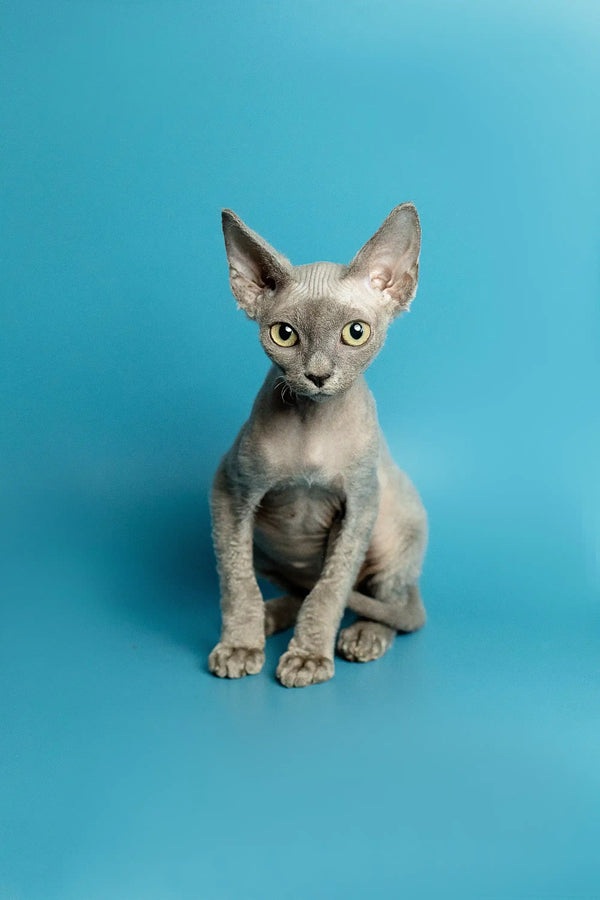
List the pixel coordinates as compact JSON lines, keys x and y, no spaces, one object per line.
{"x":309,"y":495}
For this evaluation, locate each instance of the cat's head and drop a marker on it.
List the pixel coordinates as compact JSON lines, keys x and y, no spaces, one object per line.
{"x":322,"y":324}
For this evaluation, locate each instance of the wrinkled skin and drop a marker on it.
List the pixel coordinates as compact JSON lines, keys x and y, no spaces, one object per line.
{"x":309,"y":496}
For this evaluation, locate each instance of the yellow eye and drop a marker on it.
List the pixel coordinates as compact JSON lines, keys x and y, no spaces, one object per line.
{"x":356,"y":333}
{"x":283,"y":334}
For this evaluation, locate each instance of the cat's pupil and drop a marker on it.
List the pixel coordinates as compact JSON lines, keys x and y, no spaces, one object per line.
{"x":285,"y":332}
{"x":356,"y":331}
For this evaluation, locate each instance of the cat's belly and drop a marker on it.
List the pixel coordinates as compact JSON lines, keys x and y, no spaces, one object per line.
{"x":291,"y":532}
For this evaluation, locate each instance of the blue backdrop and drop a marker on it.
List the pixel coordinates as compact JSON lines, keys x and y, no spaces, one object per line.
{"x":466,"y":762}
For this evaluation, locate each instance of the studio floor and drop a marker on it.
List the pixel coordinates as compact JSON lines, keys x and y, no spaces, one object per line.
{"x":462,"y":764}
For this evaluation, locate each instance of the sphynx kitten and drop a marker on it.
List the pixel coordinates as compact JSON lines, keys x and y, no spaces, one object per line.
{"x":308,"y":496}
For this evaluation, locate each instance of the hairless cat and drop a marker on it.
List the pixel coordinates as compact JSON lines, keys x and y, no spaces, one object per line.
{"x":308,"y":496}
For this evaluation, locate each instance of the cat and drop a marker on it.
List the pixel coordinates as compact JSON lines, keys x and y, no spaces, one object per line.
{"x":308,"y":496}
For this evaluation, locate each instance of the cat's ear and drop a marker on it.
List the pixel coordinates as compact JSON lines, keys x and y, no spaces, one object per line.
{"x":254,"y":267}
{"x":390,"y":259}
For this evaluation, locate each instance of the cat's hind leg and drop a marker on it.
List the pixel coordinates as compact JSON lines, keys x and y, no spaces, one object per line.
{"x":369,"y":638}
{"x":387,"y":596}
{"x":402,"y":609}
{"x":281,"y":613}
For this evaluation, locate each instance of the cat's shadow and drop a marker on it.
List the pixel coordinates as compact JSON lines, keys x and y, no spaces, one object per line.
{"x":158,"y":553}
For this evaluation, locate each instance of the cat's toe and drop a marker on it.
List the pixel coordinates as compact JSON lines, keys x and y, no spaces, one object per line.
{"x":235,"y":662}
{"x":301,"y":669}
{"x":364,"y":641}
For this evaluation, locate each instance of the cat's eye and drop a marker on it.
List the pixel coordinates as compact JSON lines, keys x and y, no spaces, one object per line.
{"x":283,"y":334}
{"x":356,"y":333}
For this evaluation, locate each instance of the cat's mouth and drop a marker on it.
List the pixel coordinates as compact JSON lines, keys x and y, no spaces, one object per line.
{"x":319,"y":396}
{"x":289,"y":392}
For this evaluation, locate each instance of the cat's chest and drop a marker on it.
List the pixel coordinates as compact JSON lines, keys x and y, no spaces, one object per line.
{"x":293,"y":450}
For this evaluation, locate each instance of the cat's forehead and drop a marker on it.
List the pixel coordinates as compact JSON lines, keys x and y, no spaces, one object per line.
{"x":323,"y":289}
{"x":320,"y":279}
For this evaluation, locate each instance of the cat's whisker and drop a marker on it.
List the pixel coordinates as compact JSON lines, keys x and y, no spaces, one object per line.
{"x":290,"y":391}
{"x":280,"y":384}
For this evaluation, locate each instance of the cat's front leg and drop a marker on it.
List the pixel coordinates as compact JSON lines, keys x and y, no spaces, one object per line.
{"x":309,"y":657}
{"x":241,"y":648}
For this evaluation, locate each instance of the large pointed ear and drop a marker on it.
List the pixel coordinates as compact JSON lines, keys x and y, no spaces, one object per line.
{"x":254,"y":266}
{"x":390,"y":259}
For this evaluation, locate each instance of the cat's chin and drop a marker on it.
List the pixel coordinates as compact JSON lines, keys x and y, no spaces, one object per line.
{"x":303,"y":394}
{"x":318,"y":396}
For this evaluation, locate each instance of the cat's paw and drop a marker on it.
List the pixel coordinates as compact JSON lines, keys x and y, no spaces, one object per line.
{"x":298,"y":668}
{"x":364,"y":641}
{"x":235,"y":662}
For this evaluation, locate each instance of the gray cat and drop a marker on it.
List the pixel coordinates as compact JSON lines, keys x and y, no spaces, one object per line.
{"x":309,"y":496}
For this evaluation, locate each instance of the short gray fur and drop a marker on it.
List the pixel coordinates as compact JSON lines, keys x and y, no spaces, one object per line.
{"x":308,"y":496}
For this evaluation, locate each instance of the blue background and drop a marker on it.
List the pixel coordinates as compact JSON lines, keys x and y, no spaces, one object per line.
{"x":466,"y":762}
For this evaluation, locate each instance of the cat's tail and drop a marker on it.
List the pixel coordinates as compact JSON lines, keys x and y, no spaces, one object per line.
{"x":404,"y":613}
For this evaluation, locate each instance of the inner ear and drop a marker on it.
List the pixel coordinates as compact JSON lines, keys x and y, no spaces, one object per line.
{"x":269,"y":281}
{"x":254,"y":266}
{"x":390,"y":259}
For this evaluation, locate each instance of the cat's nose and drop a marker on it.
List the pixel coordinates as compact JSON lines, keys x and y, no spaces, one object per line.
{"x":319,"y":380}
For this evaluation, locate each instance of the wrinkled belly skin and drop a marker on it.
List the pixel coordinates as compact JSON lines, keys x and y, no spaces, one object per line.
{"x":291,"y":533}
{"x":295,"y":525}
